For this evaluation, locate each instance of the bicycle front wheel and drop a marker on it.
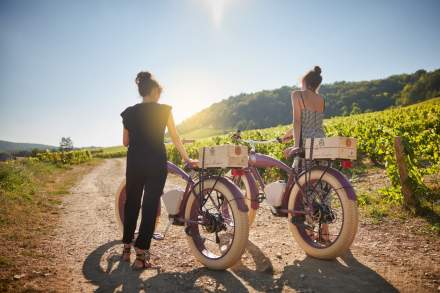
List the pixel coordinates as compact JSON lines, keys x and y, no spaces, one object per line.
{"x":243,"y":183}
{"x":120,"y":198}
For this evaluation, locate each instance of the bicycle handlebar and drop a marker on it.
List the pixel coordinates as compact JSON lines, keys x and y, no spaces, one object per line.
{"x":278,"y":139}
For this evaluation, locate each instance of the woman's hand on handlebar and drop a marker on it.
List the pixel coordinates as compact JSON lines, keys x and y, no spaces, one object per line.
{"x":286,"y":138}
{"x":192,"y":164}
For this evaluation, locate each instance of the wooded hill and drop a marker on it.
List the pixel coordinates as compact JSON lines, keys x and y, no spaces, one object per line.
{"x":273,"y":107}
{"x":9,"y":147}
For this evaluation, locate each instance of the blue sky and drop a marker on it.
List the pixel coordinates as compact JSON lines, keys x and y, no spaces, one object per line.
{"x":67,"y":68}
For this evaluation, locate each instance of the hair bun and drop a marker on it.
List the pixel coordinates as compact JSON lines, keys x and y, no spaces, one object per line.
{"x":143,"y":75}
{"x":317,"y":69}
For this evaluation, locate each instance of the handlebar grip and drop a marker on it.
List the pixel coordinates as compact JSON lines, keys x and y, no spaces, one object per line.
{"x":188,"y":166}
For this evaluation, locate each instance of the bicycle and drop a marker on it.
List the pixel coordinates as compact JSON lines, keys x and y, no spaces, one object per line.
{"x":212,"y":210}
{"x":318,"y":199}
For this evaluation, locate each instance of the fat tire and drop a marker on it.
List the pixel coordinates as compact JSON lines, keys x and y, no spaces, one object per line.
{"x":349,"y":226}
{"x":241,"y":232}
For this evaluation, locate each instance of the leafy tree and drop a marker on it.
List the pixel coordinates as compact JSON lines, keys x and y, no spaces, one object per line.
{"x":66,"y":144}
{"x":425,"y":87}
{"x":355,"y":109}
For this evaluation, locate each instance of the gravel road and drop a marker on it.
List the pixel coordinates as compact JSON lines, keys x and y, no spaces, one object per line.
{"x":384,"y":258}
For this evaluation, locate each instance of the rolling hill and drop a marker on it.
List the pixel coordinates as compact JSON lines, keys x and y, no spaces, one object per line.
{"x":10,"y":147}
{"x":273,"y":107}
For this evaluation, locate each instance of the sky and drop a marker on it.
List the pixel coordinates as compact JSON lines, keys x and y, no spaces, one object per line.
{"x":67,"y":68}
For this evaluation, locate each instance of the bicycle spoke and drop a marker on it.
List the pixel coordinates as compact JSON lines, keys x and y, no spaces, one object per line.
{"x":323,"y":214}
{"x":216,"y":233}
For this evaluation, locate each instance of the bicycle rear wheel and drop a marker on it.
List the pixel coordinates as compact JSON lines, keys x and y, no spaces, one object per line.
{"x":217,"y":233}
{"x":324,"y":220}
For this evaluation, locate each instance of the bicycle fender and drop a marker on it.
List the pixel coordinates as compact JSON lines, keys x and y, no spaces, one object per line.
{"x":253,"y":189}
{"x":345,"y":184}
{"x":173,"y":169}
{"x":236,"y":193}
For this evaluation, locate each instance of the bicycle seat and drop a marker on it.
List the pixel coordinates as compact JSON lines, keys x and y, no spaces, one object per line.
{"x":293,"y":151}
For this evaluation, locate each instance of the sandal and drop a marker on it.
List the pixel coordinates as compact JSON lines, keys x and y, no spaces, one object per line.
{"x":158,"y":236}
{"x":142,"y":256}
{"x":126,"y":252}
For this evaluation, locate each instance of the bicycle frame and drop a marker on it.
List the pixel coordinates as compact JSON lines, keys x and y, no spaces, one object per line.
{"x":256,"y":182}
{"x":211,"y":208}
{"x":179,"y":219}
{"x":306,"y":200}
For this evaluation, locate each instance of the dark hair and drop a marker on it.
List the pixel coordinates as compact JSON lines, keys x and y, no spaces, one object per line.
{"x":313,"y":78}
{"x":146,"y":83}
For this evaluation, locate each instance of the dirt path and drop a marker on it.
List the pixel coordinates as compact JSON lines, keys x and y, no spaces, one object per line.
{"x":384,"y":258}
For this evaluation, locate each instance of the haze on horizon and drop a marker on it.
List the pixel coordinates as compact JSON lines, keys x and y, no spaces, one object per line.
{"x":67,"y":68}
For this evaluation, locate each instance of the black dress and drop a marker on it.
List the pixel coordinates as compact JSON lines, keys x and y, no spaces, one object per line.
{"x":146,"y":168}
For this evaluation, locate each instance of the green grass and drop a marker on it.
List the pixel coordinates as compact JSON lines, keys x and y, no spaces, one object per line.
{"x":114,"y":149}
{"x":30,"y":194}
{"x":18,"y":179}
{"x":378,"y":207}
{"x":22,"y":184}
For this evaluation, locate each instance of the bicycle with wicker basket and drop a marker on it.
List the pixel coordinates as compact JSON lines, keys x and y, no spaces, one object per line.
{"x":317,"y":199}
{"x":211,"y":208}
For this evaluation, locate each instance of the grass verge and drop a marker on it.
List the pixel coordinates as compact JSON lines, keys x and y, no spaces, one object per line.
{"x":375,"y":206}
{"x":30,"y":196}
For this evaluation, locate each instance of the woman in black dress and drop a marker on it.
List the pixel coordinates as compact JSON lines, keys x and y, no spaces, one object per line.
{"x":144,"y":129}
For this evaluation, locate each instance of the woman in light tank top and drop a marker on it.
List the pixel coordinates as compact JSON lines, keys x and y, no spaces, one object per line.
{"x":308,"y":115}
{"x":308,"y":112}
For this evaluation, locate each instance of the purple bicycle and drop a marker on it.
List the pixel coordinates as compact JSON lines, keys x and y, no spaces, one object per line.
{"x":318,"y":200}
{"x":213,"y":211}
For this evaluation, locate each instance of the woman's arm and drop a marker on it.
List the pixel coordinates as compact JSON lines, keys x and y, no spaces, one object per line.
{"x":125,"y":137}
{"x":176,"y":139}
{"x":296,"y":118}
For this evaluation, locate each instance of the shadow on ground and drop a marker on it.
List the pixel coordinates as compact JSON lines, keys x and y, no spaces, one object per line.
{"x":343,"y":275}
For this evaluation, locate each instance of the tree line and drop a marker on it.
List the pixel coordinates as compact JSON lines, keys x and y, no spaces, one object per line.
{"x":273,"y":107}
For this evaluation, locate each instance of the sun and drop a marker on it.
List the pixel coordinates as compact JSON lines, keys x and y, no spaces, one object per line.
{"x":217,"y":9}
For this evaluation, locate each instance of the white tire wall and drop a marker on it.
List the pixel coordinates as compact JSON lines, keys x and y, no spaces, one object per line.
{"x":349,"y":227}
{"x":118,"y":218}
{"x":241,"y":233}
{"x":117,"y":214}
{"x":252,"y":213}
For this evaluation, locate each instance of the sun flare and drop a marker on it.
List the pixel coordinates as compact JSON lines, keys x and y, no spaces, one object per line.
{"x":217,"y":9}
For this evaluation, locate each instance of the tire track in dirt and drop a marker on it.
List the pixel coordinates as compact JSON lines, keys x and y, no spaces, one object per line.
{"x":87,"y":249}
